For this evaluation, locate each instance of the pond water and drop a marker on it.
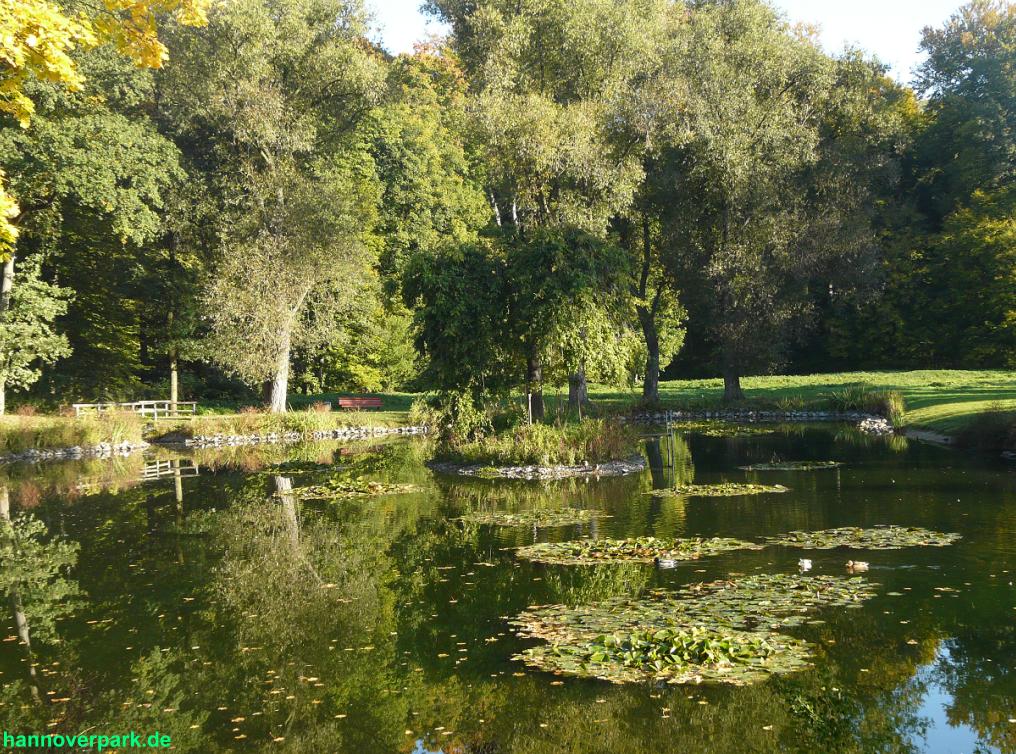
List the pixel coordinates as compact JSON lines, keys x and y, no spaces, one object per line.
{"x":184,"y":595}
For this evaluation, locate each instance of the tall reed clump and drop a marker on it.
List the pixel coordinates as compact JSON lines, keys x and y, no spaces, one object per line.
{"x":589,"y":441}
{"x":887,"y":403}
{"x":21,"y":433}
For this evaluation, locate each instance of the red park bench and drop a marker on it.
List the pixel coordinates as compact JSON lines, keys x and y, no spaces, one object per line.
{"x":359,"y":402}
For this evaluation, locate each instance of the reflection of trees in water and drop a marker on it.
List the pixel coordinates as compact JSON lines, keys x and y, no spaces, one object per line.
{"x":580,"y":586}
{"x":670,"y":460}
{"x":978,"y":672}
{"x":300,"y":628}
{"x":33,"y":578}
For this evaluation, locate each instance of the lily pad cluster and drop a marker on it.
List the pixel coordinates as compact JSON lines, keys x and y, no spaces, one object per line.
{"x":792,"y":466}
{"x":721,"y":429}
{"x":723,"y":489}
{"x":676,"y":656}
{"x":350,"y":488}
{"x":538,"y":517}
{"x":639,"y":549}
{"x":722,"y":631}
{"x":878,"y":538}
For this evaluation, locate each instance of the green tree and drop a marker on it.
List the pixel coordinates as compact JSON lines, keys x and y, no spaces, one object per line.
{"x":270,"y":100}
{"x":970,"y":82}
{"x":90,"y":172}
{"x":770,"y":200}
{"x":27,"y":338}
{"x":544,"y":77}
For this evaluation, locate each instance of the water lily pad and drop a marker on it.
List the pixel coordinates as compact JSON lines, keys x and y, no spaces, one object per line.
{"x":792,"y":466}
{"x":722,"y":429}
{"x":879,"y":538}
{"x":537,"y":517}
{"x":676,"y":656}
{"x":725,"y":631}
{"x":641,"y":549}
{"x":350,"y":488}
{"x":724,"y":489}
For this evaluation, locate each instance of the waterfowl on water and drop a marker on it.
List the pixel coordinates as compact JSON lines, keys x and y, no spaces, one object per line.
{"x":804,"y":564}
{"x":856,"y":566}
{"x":665,"y":562}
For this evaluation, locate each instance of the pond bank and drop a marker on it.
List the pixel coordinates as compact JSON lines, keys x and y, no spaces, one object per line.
{"x":268,"y":438}
{"x":869,"y":423}
{"x":180,"y":440}
{"x":609,"y":469}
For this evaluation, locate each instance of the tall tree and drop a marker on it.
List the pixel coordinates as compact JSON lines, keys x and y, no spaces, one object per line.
{"x":271,"y":100}
{"x":37,"y":39}
{"x":767,"y":202}
{"x":543,"y":76}
{"x":91,"y":172}
{"x":27,"y":338}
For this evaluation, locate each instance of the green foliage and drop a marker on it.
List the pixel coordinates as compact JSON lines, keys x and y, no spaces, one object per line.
{"x":640,"y":549}
{"x":995,"y":429}
{"x":34,"y":570}
{"x":27,"y":336}
{"x":20,"y":433}
{"x":725,"y":489}
{"x":590,"y":441}
{"x":881,"y":538}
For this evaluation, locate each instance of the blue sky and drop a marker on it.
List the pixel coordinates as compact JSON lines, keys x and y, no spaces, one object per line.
{"x":890,"y":29}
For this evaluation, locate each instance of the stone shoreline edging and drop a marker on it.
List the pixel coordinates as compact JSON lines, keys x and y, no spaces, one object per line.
{"x":271,"y":438}
{"x":869,"y":423}
{"x":609,"y":469}
{"x":102,"y":450}
{"x":109,"y":450}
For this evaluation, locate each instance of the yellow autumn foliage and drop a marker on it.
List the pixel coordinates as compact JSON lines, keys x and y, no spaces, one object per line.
{"x":37,"y":37}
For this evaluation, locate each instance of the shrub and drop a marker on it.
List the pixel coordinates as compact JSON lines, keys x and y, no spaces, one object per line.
{"x":589,"y":441}
{"x":887,"y":403}
{"x":20,"y":433}
{"x":993,"y":430}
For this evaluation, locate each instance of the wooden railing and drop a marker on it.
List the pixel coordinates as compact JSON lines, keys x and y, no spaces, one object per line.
{"x":154,"y":410}
{"x":164,"y":469}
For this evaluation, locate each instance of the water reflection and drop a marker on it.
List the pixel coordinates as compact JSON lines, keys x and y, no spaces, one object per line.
{"x":223,"y":610}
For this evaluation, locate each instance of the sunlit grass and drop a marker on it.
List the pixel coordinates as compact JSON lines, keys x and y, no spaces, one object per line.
{"x":938,"y":400}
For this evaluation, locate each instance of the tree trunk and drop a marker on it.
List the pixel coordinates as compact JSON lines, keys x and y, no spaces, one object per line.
{"x":534,"y":382}
{"x":20,"y":619}
{"x":7,"y":284}
{"x":732,"y":384}
{"x":276,"y":389}
{"x":578,"y":391}
{"x":651,"y":383}
{"x":174,"y":379}
{"x":284,"y":488}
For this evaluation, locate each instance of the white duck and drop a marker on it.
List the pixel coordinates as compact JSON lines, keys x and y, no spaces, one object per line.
{"x":665,"y":562}
{"x":804,"y":564}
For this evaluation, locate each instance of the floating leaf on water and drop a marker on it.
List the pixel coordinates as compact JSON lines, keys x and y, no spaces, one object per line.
{"x":879,"y":538}
{"x":792,"y":466}
{"x":722,"y":429}
{"x":724,"y":489}
{"x":537,"y":517}
{"x":349,"y":488}
{"x":641,"y":549}
{"x":722,"y":631}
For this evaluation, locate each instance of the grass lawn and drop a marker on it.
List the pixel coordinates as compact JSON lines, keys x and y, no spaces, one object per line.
{"x":937,"y":400}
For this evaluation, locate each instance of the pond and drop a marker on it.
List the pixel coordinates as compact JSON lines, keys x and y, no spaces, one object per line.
{"x":206,"y":597}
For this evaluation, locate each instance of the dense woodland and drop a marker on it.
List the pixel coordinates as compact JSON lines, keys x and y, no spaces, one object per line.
{"x":560,"y":191}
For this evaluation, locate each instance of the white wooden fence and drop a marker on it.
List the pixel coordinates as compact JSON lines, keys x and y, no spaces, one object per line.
{"x":154,"y":410}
